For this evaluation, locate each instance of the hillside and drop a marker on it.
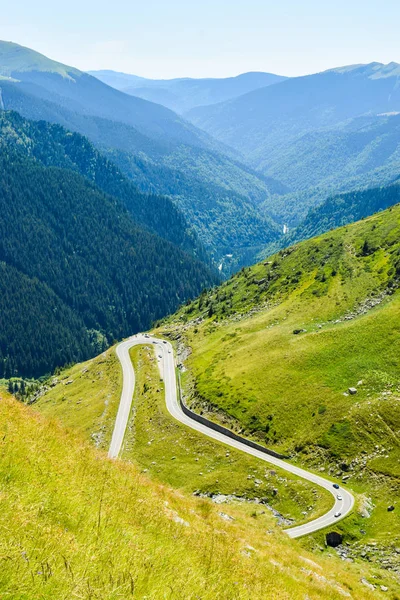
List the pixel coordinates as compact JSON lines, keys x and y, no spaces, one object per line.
{"x":52,"y":145}
{"x":78,"y":272}
{"x":181,"y":95}
{"x":262,"y":121}
{"x":75,"y":524}
{"x":346,"y":208}
{"x":321,"y":134}
{"x":157,"y":149}
{"x":79,"y":92}
{"x":274,"y":351}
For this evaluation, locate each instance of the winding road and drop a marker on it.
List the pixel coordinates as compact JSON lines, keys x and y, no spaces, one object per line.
{"x":166,"y":361}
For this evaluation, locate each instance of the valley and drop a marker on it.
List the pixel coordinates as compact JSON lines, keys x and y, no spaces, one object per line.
{"x":199,"y":308}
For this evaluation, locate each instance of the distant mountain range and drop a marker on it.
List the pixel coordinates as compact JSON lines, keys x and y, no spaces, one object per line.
{"x":157,"y":149}
{"x":332,"y":131}
{"x":186,"y":93}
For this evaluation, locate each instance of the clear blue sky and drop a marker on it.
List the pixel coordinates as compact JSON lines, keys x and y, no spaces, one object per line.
{"x":174,"y":38}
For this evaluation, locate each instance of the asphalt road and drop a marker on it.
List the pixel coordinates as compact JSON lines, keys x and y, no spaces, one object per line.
{"x":165,"y":357}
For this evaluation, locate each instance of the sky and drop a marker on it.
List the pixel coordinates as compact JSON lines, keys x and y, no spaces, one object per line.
{"x":206,"y":38}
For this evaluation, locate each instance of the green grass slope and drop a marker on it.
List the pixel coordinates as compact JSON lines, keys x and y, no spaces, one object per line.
{"x":86,"y":397}
{"x":16,"y":59}
{"x":276,"y":348}
{"x":77,"y":525}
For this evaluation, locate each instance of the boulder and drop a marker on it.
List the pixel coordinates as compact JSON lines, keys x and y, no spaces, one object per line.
{"x":334,"y":539}
{"x":390,"y":508}
{"x":352,"y":390}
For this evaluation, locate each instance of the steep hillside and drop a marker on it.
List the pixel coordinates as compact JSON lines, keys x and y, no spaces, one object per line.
{"x":346,"y":208}
{"x":319,"y":135}
{"x":52,"y":145}
{"x":365,"y":149}
{"x":161,"y":152}
{"x":168,"y":451}
{"x":186,"y":93}
{"x":275,"y":351}
{"x":75,"y":524}
{"x":262,"y":122}
{"x":77,"y":271}
{"x":79,"y":92}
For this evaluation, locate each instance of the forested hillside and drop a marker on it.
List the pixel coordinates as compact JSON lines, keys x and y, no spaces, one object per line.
{"x":322,"y":134}
{"x":77,"y":272}
{"x":346,"y":208}
{"x":52,"y":145}
{"x":159,"y":151}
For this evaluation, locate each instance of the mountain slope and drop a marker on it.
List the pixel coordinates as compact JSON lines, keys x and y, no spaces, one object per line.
{"x":76,"y":524}
{"x":275,"y":350}
{"x":346,"y":208}
{"x":326,"y":133}
{"x":84,"y":94}
{"x":52,"y":145}
{"x":157,"y":149}
{"x":183,"y":94}
{"x":85,"y":260}
{"x":262,"y":122}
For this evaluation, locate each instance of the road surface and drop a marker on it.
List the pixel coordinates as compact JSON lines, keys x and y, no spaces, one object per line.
{"x":165,"y":357}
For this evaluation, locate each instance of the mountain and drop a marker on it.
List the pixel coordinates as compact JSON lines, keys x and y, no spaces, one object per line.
{"x":301,"y":353}
{"x":346,"y":208}
{"x":79,"y":92}
{"x":319,"y":134}
{"x":52,"y":145}
{"x":158,"y":150}
{"x":77,"y":271}
{"x":262,"y":122}
{"x":181,"y":95}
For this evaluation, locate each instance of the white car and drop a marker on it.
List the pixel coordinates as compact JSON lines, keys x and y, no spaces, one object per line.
{"x":337,"y":514}
{"x":339,"y":497}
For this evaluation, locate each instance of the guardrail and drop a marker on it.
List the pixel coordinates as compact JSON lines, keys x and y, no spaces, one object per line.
{"x":224,"y":430}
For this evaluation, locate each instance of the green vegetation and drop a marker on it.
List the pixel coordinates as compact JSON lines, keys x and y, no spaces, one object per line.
{"x":276,"y":348}
{"x":76,"y":271}
{"x":54,"y":146}
{"x":187,"y":460}
{"x":86,"y":397}
{"x":159,"y":151}
{"x":76,"y":525}
{"x":346,"y":208}
{"x":16,"y":59}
